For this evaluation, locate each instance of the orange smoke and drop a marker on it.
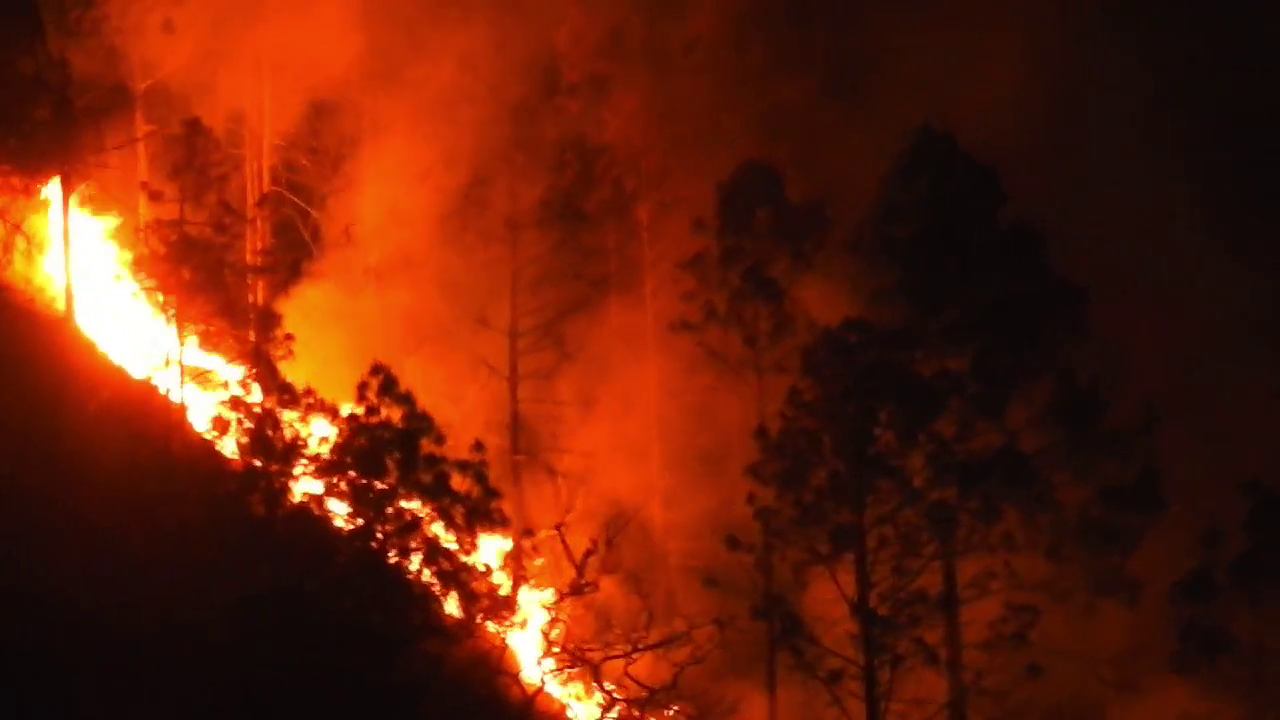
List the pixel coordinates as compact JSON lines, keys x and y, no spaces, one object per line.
{"x":114,"y":310}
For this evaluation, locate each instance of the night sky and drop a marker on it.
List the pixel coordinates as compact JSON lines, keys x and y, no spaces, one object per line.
{"x":1139,"y":137}
{"x":1163,"y":194}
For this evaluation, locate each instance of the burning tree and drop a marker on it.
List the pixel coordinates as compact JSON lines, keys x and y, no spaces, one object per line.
{"x":637,"y":664}
{"x":407,"y":495}
{"x":307,"y":169}
{"x":192,"y":253}
{"x":393,"y":486}
{"x":547,"y":210}
{"x":191,"y":247}
{"x":50,"y":121}
{"x":383,"y":467}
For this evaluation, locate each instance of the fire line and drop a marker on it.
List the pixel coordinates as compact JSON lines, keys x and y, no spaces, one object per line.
{"x":115,"y":313}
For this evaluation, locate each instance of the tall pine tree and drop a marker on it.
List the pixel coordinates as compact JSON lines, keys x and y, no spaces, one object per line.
{"x":1000,"y":332}
{"x":740,"y":309}
{"x":981,"y":426}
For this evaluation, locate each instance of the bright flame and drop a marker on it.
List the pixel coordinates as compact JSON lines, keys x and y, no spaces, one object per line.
{"x":113,"y":310}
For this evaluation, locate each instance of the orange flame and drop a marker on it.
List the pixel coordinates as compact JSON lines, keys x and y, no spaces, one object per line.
{"x":114,"y":311}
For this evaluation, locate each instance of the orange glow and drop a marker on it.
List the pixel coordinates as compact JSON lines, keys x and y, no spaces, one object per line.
{"x":114,"y":311}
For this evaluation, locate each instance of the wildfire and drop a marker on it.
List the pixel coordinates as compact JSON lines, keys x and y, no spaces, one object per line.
{"x":113,"y":310}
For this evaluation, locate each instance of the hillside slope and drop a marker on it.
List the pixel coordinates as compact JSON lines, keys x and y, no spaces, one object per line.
{"x":135,"y":583}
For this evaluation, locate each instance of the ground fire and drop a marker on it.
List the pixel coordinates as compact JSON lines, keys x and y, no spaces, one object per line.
{"x":114,"y":312}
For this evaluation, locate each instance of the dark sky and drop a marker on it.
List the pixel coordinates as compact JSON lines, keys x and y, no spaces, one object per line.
{"x":1164,"y":186}
{"x":1137,"y":134}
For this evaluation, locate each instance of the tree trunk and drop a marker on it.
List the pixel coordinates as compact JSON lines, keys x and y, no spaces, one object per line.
{"x":263,"y":237}
{"x":767,"y":579}
{"x":953,"y":637}
{"x":143,"y":173}
{"x":181,"y":359}
{"x":251,"y":194}
{"x":771,"y":621}
{"x":68,"y":293}
{"x":651,"y":344}
{"x":177,"y":315}
{"x":657,"y":483}
{"x":864,"y":615}
{"x":141,"y":157}
{"x":515,"y":451}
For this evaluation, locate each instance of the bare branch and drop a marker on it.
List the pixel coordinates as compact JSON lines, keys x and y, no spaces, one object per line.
{"x":638,"y":669}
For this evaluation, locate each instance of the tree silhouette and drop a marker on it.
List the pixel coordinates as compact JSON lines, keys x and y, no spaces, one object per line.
{"x":192,"y":244}
{"x":408,"y":497}
{"x":841,"y":509}
{"x":739,"y":306}
{"x":635,"y":660}
{"x":48,"y":126}
{"x":549,"y":204}
{"x":740,"y":311}
{"x":191,"y":253}
{"x":972,"y":416}
{"x":999,"y":325}
{"x":307,"y":166}
{"x":1225,"y":606}
{"x":31,"y":139}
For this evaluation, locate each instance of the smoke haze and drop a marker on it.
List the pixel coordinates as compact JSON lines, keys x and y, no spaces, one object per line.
{"x":1050,"y":93}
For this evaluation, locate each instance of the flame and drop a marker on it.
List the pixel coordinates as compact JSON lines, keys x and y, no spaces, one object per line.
{"x":114,"y":311}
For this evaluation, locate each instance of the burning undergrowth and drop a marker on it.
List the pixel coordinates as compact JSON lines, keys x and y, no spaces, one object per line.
{"x":382,"y":470}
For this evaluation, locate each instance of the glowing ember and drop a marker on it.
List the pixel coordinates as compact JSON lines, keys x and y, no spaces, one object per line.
{"x":114,"y":311}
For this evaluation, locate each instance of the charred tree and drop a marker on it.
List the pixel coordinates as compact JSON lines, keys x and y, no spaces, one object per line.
{"x":68,"y":108}
{"x":650,"y":198}
{"x":557,"y":270}
{"x":516,"y":331}
{"x":65,"y":117}
{"x":309,"y":163}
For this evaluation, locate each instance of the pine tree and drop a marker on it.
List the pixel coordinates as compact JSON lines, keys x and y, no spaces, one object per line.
{"x":389,"y":463}
{"x":938,"y":447}
{"x":59,"y":111}
{"x":307,"y":168}
{"x":740,"y":311}
{"x":404,"y":492}
{"x":997,"y":334}
{"x":840,"y":510}
{"x":555,"y":267}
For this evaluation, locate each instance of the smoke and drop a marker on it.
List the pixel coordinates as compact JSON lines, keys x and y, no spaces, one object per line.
{"x":639,"y":421}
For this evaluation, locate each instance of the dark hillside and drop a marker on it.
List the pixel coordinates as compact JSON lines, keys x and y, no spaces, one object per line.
{"x":135,"y":583}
